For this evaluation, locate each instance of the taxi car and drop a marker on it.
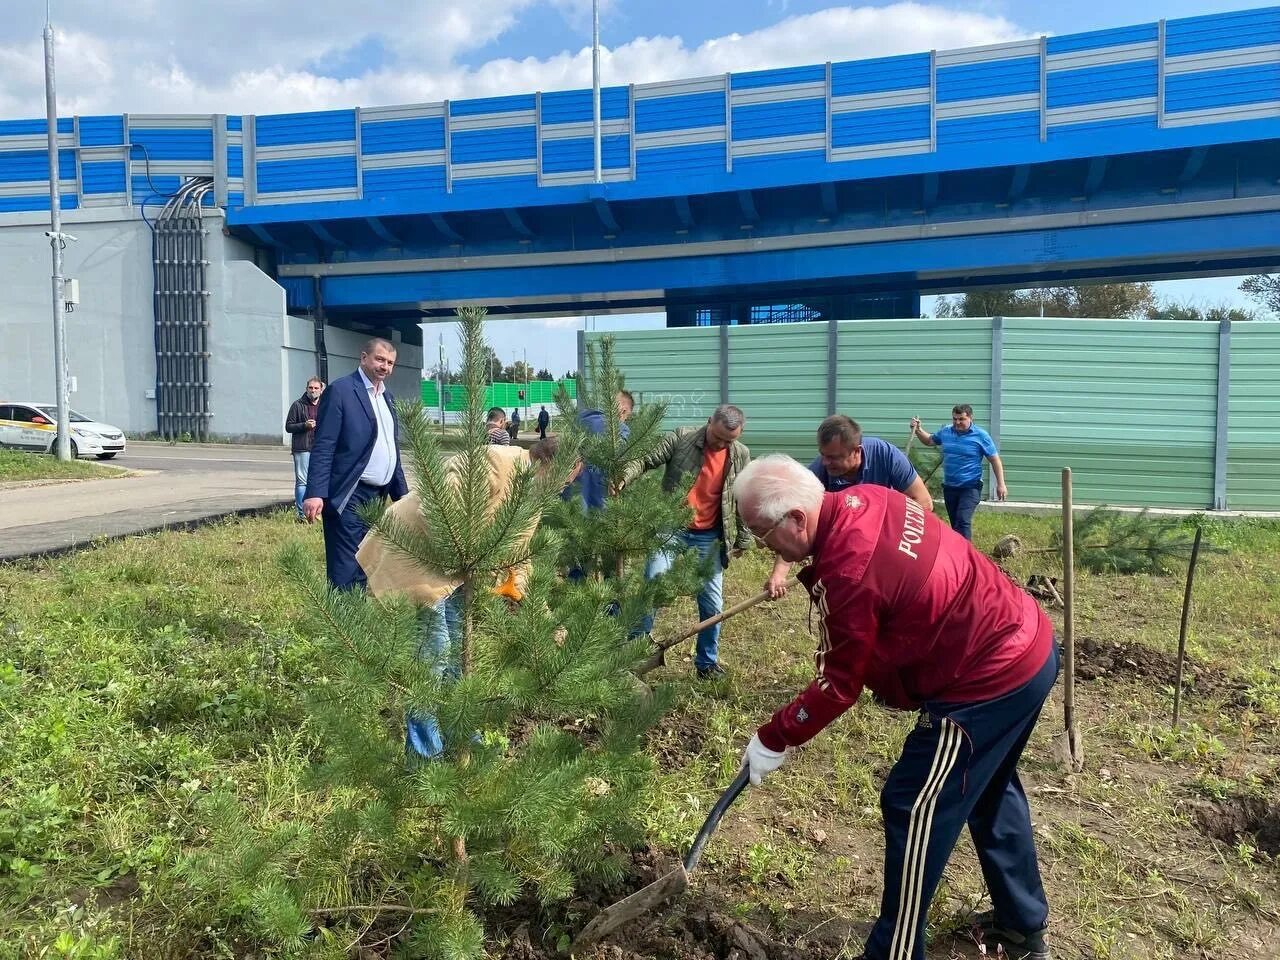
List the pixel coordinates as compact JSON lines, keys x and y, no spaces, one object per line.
{"x":34,"y":426}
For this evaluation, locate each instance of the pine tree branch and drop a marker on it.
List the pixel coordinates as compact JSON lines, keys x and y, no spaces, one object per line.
{"x":376,"y":907}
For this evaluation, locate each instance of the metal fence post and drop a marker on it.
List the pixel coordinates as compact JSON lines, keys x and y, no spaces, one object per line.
{"x":724,"y":362}
{"x":1221,"y":437}
{"x":997,"y":376}
{"x":833,"y":363}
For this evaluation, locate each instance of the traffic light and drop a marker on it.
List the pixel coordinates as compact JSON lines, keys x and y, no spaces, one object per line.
{"x":521,"y":394}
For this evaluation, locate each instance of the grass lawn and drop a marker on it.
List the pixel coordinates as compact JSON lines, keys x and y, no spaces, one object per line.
{"x":17,"y":465}
{"x":136,"y":676}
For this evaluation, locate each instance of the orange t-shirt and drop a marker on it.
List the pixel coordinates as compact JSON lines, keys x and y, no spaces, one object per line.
{"x":704,"y":495}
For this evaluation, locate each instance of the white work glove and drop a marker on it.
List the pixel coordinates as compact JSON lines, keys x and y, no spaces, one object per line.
{"x":761,"y":760}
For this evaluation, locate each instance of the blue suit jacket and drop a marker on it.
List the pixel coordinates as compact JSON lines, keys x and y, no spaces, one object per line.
{"x":343,"y":441}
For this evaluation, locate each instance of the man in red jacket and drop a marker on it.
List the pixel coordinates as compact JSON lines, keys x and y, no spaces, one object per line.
{"x":911,"y":611}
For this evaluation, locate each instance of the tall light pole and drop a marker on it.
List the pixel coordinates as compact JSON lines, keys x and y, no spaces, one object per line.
{"x":595,"y":82}
{"x":57,"y":241}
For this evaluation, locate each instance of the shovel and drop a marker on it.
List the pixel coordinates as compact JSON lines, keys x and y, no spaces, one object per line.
{"x":658,"y":657}
{"x":1067,"y":746}
{"x":677,"y":881}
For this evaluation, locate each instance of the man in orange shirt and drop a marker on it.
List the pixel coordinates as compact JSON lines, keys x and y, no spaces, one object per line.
{"x":715,"y":455}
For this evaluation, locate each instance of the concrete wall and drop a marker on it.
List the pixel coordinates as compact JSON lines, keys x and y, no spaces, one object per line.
{"x":298,"y":360}
{"x":260,"y":357}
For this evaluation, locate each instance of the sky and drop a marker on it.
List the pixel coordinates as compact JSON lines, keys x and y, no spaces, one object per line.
{"x":245,"y":56}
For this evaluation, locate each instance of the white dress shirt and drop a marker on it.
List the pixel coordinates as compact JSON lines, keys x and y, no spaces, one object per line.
{"x":382,"y":461}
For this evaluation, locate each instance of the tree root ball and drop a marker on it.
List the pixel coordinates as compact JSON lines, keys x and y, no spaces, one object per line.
{"x":1007,"y":546}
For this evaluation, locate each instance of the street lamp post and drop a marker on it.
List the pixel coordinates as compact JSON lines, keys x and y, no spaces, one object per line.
{"x":57,"y":240}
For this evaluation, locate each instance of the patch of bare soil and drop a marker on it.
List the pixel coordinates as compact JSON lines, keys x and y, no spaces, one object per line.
{"x":1255,"y":820}
{"x":1098,"y":660}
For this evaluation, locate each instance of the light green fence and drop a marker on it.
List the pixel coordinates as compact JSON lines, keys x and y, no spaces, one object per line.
{"x":1253,"y":451}
{"x":505,"y":395}
{"x":1150,"y":413}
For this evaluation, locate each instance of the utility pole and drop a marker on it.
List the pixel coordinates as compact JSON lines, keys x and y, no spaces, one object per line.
{"x":440,"y":382}
{"x":57,"y":240}
{"x":595,"y":82}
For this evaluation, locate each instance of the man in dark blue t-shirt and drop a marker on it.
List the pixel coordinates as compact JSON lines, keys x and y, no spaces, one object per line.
{"x":847,"y":458}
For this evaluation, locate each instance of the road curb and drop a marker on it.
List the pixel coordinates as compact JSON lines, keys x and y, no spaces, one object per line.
{"x":191,"y":523}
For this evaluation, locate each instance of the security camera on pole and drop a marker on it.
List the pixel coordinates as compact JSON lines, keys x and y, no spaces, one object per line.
{"x":57,"y":240}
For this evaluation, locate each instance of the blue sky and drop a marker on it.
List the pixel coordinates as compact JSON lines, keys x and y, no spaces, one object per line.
{"x":296,"y":55}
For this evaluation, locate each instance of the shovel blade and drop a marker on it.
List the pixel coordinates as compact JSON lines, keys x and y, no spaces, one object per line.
{"x":624,"y":911}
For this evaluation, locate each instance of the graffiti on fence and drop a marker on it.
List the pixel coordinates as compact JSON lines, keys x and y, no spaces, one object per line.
{"x":681,"y":406}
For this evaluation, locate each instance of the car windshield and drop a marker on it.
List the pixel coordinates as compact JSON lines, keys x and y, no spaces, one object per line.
{"x":52,"y":413}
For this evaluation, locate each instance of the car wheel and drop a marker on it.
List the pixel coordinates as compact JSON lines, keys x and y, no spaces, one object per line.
{"x":53,"y":449}
{"x":105,"y":456}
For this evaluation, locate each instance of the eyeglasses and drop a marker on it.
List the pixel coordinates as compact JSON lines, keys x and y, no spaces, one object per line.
{"x":764,"y":537}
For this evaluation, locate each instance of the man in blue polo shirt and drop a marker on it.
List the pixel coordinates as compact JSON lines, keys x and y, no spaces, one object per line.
{"x":964,"y":445}
{"x":847,"y":458}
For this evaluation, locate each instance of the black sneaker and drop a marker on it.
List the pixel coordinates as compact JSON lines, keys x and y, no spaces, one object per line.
{"x":1014,"y":944}
{"x":713,"y":672}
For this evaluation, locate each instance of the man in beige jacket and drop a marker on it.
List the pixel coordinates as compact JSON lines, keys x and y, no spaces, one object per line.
{"x":391,"y":572}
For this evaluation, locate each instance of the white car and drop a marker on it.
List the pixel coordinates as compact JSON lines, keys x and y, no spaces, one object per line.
{"x":34,"y":426}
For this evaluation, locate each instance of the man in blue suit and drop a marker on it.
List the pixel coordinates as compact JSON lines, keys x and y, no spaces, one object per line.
{"x":355,"y":456}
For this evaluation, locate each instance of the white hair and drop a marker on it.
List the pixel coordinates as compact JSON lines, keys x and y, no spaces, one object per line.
{"x":775,"y":485}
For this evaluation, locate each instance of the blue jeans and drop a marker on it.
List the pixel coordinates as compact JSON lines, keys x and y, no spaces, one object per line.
{"x":441,"y":636}
{"x":301,"y":463}
{"x":961,"y":503}
{"x":710,"y":597}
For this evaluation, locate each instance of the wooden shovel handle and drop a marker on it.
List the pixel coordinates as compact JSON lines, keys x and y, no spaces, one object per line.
{"x":720,"y":617}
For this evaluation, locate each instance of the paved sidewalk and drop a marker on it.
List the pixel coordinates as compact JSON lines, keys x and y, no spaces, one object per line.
{"x":51,"y":519}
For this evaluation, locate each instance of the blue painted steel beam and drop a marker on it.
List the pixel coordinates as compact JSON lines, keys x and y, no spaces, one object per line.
{"x":442,"y":225}
{"x":605,"y":214}
{"x":382,"y":231}
{"x":1196,"y":157}
{"x":937,"y":263}
{"x":323,"y":235}
{"x":929,"y":191}
{"x":830,"y":204}
{"x":262,"y":233}
{"x":517,"y":223}
{"x":747,"y":204}
{"x":1093,"y":180}
{"x":683,"y":213}
{"x":1018,"y":184}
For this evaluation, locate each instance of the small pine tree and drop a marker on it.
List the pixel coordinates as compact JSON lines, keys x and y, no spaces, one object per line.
{"x":1111,"y":541}
{"x":928,"y":464}
{"x":612,"y":542}
{"x":543,"y":723}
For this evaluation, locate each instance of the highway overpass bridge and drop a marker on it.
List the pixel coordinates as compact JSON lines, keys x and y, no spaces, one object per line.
{"x":834,"y":190}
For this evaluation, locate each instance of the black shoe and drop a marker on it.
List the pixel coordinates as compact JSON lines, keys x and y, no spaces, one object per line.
{"x":713,"y":672}
{"x":1015,"y":944}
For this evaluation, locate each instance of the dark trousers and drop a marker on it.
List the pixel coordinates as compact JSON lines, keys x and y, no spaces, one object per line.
{"x":961,"y":503}
{"x":342,"y":535}
{"x":959,"y":766}
{"x":542,"y":432}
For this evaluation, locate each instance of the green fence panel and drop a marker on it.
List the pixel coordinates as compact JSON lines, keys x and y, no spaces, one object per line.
{"x":1253,"y":423}
{"x":679,"y":367}
{"x":1130,"y":406}
{"x":777,"y":375}
{"x":892,"y":370}
{"x":505,"y":395}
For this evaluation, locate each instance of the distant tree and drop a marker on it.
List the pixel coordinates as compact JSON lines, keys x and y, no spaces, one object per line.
{"x":1102,"y":300}
{"x":544,"y":374}
{"x":1175,"y":310}
{"x":1264,"y":290}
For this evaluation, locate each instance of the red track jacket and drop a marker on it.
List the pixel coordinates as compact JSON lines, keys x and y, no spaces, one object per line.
{"x":910,"y":610}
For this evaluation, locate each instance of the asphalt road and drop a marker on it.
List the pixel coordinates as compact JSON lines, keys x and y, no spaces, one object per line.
{"x":174,"y":486}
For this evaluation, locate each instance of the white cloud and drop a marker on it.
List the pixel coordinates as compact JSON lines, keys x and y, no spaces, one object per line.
{"x":166,"y":56}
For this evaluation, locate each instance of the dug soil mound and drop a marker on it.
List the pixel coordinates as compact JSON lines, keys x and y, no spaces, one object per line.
{"x":1098,"y":660}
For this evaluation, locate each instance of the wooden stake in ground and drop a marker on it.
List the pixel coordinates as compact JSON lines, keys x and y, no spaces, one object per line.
{"x":1182,"y":630}
{"x":1069,"y":746}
